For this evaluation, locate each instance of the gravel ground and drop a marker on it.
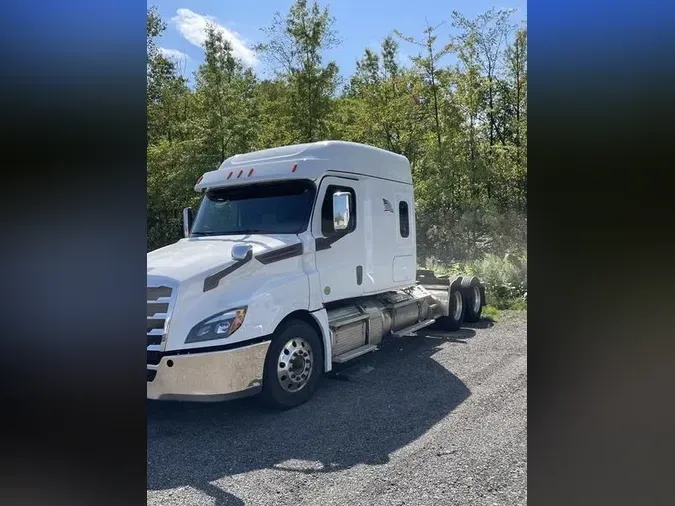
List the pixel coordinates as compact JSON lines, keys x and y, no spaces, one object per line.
{"x":438,"y":419}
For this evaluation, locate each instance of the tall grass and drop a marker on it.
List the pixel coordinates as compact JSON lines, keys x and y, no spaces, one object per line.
{"x":505,"y":278}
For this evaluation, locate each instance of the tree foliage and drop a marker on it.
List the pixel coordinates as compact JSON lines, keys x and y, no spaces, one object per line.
{"x":295,"y":46}
{"x":457,"y":110}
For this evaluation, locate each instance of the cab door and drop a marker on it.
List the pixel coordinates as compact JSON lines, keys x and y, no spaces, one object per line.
{"x":340,"y":254}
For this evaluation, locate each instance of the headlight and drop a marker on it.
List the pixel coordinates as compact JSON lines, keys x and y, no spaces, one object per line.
{"x":218,"y":326}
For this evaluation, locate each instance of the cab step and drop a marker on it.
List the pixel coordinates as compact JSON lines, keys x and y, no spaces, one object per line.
{"x":413,"y":328}
{"x":356,"y":352}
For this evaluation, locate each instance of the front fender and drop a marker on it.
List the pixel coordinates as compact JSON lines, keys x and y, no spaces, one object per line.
{"x":269,"y":291}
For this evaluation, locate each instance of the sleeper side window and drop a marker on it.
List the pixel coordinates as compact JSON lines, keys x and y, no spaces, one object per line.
{"x":403,"y":219}
{"x":327,"y":211}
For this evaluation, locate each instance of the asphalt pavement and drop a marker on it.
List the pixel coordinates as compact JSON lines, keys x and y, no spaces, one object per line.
{"x":437,"y":419}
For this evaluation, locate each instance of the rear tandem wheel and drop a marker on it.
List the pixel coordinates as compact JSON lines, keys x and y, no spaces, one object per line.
{"x":456,"y":311}
{"x":472,"y":293}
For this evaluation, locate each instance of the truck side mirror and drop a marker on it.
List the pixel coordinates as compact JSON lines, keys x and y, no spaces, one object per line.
{"x":340,"y":210}
{"x":187,"y":221}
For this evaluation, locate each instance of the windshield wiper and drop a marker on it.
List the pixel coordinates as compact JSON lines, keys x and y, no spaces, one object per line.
{"x":251,"y":231}
{"x":234,"y":232}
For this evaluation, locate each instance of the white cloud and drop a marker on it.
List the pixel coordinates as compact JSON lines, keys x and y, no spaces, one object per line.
{"x":173,"y":54}
{"x":193,"y":26}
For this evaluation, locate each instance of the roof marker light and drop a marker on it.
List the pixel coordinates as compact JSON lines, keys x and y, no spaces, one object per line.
{"x":295,"y":167}
{"x":250,"y":172}
{"x":241,"y":171}
{"x":229,"y":175}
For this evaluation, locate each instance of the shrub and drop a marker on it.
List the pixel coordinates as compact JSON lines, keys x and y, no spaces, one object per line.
{"x":491,"y":313}
{"x":505,"y":278}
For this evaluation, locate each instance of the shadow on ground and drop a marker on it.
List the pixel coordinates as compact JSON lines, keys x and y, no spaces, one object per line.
{"x":361,"y":421}
{"x":481,"y":324}
{"x":458,"y":336}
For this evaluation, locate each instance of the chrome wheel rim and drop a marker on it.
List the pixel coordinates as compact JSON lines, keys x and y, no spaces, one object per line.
{"x":476,"y":299}
{"x":295,"y":364}
{"x":458,"y":304}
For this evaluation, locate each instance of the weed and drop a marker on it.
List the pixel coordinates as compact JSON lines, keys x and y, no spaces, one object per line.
{"x":491,"y":313}
{"x":504,"y":278}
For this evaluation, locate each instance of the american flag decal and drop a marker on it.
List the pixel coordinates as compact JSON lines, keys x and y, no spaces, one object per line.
{"x":387,"y":206}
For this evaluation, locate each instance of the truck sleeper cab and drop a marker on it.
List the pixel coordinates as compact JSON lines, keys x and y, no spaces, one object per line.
{"x":298,"y":258}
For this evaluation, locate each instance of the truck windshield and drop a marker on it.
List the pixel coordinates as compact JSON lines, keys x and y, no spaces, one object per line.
{"x":261,"y":208}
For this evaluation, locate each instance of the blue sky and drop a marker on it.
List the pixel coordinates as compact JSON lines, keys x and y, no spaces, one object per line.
{"x":360,"y":24}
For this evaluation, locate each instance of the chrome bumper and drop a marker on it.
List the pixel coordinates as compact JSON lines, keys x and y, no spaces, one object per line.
{"x":213,"y":376}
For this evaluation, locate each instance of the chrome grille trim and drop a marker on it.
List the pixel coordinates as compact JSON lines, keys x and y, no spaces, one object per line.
{"x":160,"y":299}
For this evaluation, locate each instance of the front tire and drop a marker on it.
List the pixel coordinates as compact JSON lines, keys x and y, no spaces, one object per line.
{"x":293,"y":366}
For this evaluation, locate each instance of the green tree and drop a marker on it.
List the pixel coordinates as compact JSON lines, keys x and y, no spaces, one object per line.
{"x":226,"y":92}
{"x":166,"y":90}
{"x":462,"y":125}
{"x":516,"y":61}
{"x":385,"y":103}
{"x":487,"y":35}
{"x":295,"y":50}
{"x":275,"y":110}
{"x":428,"y":63}
{"x":170,"y":109}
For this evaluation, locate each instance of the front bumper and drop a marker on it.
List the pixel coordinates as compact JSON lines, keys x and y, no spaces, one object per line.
{"x":212,"y":376}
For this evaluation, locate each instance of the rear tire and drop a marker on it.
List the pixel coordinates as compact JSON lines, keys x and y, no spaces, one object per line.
{"x":293,"y":366}
{"x":455,"y":312}
{"x":473,"y":298}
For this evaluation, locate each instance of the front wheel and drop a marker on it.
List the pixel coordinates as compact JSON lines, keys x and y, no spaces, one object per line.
{"x":293,"y":366}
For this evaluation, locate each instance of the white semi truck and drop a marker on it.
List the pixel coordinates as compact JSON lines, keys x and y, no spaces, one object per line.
{"x":299,"y":258}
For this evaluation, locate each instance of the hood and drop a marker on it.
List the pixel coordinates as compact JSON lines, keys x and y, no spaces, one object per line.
{"x":190,"y":257}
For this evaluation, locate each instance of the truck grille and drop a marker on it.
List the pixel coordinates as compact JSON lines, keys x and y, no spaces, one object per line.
{"x":159,"y":304}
